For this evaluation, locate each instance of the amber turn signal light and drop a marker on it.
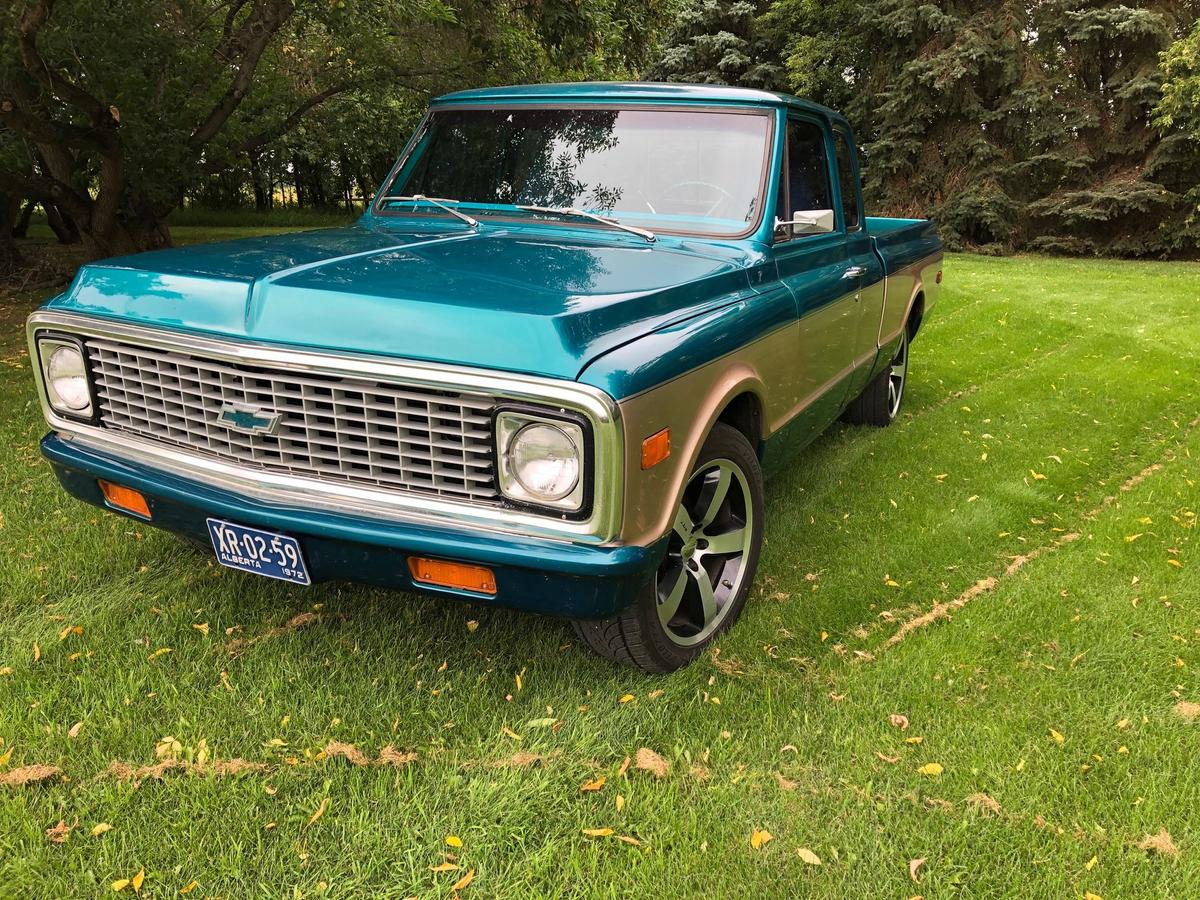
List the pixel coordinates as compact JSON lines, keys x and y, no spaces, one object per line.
{"x":656,"y":448}
{"x":124,"y":498}
{"x":460,"y":576}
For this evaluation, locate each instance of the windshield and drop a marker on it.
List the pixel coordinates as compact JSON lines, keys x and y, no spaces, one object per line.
{"x":698,"y":172}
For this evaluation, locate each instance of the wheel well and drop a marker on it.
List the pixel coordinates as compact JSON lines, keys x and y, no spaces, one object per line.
{"x":744,"y":412}
{"x":916,"y":315}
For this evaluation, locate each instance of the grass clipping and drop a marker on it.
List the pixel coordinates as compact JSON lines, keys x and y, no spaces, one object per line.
{"x":28,"y":775}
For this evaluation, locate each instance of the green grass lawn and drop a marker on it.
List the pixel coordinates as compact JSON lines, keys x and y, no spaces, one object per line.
{"x":1039,"y":497}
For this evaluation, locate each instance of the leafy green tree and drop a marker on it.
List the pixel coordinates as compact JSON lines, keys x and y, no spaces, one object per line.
{"x":127,"y":107}
{"x":1014,"y":124}
{"x":718,"y":42}
{"x":1179,"y":106}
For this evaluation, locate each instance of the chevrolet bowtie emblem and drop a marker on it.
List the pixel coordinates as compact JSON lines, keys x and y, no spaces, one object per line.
{"x":249,"y":419}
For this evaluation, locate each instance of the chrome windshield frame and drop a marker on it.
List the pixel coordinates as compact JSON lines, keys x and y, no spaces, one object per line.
{"x":602,"y":526}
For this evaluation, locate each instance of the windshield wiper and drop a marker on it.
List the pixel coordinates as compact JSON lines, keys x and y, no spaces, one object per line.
{"x":440,"y":203}
{"x":583,"y":214}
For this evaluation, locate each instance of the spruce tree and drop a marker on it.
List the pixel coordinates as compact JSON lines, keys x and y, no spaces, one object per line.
{"x":718,"y":42}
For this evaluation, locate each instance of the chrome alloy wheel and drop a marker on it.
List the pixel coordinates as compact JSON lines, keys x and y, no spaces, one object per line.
{"x":897,"y":374}
{"x":705,"y":563}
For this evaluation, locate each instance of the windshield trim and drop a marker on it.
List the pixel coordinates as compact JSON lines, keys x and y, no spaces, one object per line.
{"x":377,"y":206}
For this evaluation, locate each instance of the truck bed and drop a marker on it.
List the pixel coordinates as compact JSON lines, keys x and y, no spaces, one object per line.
{"x":901,"y":242}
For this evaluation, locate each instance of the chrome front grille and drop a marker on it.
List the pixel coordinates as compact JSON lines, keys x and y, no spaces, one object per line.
{"x":371,"y":433}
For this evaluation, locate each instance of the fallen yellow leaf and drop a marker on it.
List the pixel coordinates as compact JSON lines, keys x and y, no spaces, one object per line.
{"x":1088,"y":895}
{"x":510,"y":733}
{"x":201,"y":627}
{"x":320,"y":811}
{"x":37,"y":652}
{"x":1091,"y":863}
{"x":1057,"y":736}
{"x":598,"y":832}
{"x":592,"y":785}
{"x":120,"y":884}
{"x":760,"y":838}
{"x":100,"y":828}
{"x":914,"y":869}
{"x":620,"y":803}
{"x":915,"y":739}
{"x":464,"y":881}
{"x":808,"y":856}
{"x":136,"y":881}
{"x":931,"y":769}
{"x":627,"y":698}
{"x":445,"y":867}
{"x":189,"y":887}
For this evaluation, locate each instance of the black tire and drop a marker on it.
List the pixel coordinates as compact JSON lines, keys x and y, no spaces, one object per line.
{"x":669,"y":623}
{"x":879,"y":403}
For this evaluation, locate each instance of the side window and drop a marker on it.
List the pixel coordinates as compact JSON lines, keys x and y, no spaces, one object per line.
{"x":846,"y":181}
{"x":807,"y":183}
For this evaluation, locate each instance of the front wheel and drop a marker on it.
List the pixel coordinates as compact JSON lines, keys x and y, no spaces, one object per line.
{"x":701,"y":586}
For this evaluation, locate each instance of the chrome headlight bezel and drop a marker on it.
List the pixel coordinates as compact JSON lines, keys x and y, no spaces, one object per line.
{"x":509,"y":422}
{"x":48,"y":343}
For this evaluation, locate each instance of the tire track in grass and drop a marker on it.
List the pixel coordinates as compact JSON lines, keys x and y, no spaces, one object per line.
{"x":987,"y":585}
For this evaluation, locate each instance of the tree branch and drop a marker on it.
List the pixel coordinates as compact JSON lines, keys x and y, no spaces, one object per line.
{"x":45,"y":190}
{"x":256,"y":141}
{"x":250,"y":40}
{"x":45,"y":131}
{"x":28,"y":27}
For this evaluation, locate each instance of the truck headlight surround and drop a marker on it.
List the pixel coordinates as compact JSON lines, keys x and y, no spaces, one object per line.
{"x":66,"y":377}
{"x":544,"y":460}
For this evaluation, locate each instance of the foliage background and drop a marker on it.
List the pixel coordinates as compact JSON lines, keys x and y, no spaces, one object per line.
{"x":1068,"y":126}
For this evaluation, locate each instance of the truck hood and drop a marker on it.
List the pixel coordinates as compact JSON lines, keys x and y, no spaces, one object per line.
{"x":537,"y":300}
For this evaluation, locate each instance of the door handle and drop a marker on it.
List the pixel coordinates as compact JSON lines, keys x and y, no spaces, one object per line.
{"x":855,"y":272}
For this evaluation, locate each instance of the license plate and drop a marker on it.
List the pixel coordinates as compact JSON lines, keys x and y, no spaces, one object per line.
{"x":261,"y":552}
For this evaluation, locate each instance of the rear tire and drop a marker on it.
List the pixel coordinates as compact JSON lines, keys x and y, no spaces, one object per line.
{"x":879,"y":403}
{"x":701,"y":586}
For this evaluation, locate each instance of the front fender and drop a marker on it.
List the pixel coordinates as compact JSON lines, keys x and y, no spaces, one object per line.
{"x":683,"y":377}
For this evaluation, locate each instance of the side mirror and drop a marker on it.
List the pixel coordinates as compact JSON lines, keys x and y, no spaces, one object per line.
{"x":810,"y":221}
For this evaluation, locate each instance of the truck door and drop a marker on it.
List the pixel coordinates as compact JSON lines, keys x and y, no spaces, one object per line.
{"x":819,"y":273}
{"x":863,"y":261}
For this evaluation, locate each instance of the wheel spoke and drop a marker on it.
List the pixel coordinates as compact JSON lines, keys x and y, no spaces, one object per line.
{"x":720,"y":490}
{"x":668,"y":607}
{"x":683,"y":523}
{"x":727,"y":543}
{"x":708,"y":602}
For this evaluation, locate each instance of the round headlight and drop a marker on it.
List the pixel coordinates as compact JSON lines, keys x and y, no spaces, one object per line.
{"x":545,"y":460}
{"x":68,"y":378}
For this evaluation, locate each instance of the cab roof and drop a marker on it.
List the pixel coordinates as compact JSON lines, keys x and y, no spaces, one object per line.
{"x":633,"y":92}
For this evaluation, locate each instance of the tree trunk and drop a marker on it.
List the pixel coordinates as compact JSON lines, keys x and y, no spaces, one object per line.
{"x":10,"y":255}
{"x":21,"y":229}
{"x":262,"y":188}
{"x":61,"y":224}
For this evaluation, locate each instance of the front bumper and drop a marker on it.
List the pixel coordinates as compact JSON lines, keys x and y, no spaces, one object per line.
{"x":565,"y":579}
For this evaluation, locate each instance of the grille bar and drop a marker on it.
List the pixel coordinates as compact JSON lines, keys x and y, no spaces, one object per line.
{"x":373,"y":433}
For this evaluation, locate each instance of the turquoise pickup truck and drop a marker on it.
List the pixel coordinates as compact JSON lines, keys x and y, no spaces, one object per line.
{"x":546,"y":369}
